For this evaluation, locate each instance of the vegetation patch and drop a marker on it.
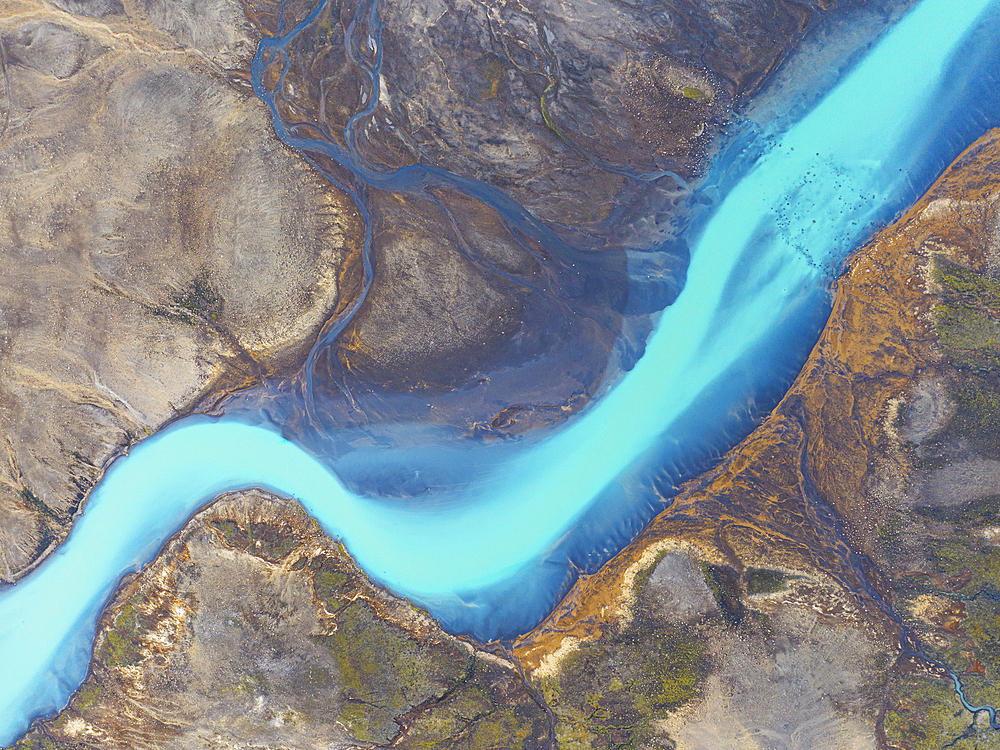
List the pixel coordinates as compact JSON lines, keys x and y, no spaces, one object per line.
{"x":494,"y":71}
{"x":968,"y":328}
{"x":963,"y":327}
{"x":968,"y":629}
{"x":120,"y":647}
{"x":264,"y":540}
{"x":331,"y":580}
{"x":38,"y":741}
{"x":642,"y":577}
{"x":32,"y":501}
{"x":761,"y":581}
{"x":482,"y":713}
{"x":925,"y":714}
{"x":609,"y":692}
{"x":690,"y":92}
{"x":982,"y":629}
{"x":724,"y":583}
{"x":958,"y":557}
{"x":269,"y":542}
{"x":962,"y":281}
{"x":384,"y":671}
{"x":87,"y":697}
{"x":978,"y":414}
{"x":251,"y":685}
{"x":231,"y":533}
{"x":199,"y":299}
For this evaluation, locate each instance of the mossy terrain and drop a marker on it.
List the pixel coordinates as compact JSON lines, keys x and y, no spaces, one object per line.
{"x":926,"y":714}
{"x":964,"y":327}
{"x":453,"y":698}
{"x":956,"y":606}
{"x":87,"y":696}
{"x":969,"y":574}
{"x":966,"y":316}
{"x":762,"y":581}
{"x":960,"y":281}
{"x":963,"y":557}
{"x":394,"y":687}
{"x":979,"y":411}
{"x":950,"y":570}
{"x":199,"y":299}
{"x":967,"y":319}
{"x":690,"y":92}
{"x":259,"y":539}
{"x":40,"y":742}
{"x":724,"y":583}
{"x":120,"y":647}
{"x":609,"y":692}
{"x":957,"y":620}
{"x":252,"y":623}
{"x":481,"y":713}
{"x":384,"y":671}
{"x":331,"y":580}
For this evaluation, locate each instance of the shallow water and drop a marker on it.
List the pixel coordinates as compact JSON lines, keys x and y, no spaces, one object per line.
{"x":755,"y":296}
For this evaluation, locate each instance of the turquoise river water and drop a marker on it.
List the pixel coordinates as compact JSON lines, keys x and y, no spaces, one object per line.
{"x":760,"y":268}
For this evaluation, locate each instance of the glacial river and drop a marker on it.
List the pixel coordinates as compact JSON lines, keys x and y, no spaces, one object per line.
{"x":493,"y":558}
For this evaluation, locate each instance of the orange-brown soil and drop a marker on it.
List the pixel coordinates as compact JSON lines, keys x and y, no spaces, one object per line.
{"x":825,"y":446}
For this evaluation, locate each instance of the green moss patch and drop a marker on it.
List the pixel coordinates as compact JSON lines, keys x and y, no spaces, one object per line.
{"x":87,"y":697}
{"x":925,"y":714}
{"x":968,"y":317}
{"x":609,"y":691}
{"x":384,"y":672}
{"x":955,"y":557}
{"x":724,"y":583}
{"x":488,"y":710}
{"x":38,"y":741}
{"x":695,"y":94}
{"x":761,"y":581}
{"x":962,"y":281}
{"x":963,"y":327}
{"x":120,"y":647}
{"x":332,"y":580}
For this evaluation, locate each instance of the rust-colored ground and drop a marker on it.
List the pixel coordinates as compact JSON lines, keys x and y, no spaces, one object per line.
{"x":769,"y":502}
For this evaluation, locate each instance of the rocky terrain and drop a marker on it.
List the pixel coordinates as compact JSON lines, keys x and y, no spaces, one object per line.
{"x":164,"y":250}
{"x":159,"y":245}
{"x":745,"y":616}
{"x":252,"y":629}
{"x":873,"y":485}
